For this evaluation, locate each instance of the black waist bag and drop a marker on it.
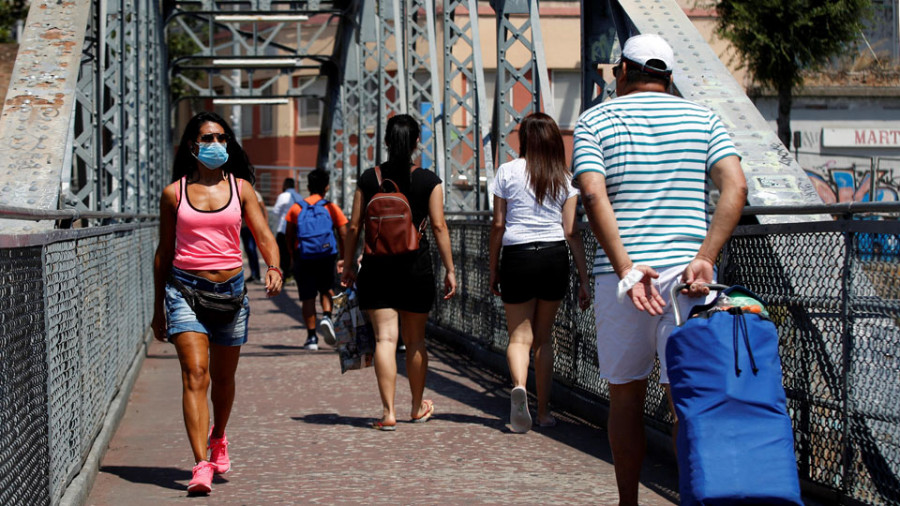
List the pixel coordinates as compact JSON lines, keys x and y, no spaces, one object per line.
{"x":210,"y":307}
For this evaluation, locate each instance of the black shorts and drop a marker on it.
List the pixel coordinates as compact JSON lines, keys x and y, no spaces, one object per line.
{"x":401,"y":282}
{"x":535,"y":270}
{"x":314,"y":275}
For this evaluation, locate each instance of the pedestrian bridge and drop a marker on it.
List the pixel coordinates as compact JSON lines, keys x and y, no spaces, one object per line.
{"x":86,"y":137}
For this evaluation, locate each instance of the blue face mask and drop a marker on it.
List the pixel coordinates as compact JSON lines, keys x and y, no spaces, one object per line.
{"x":211,"y":154}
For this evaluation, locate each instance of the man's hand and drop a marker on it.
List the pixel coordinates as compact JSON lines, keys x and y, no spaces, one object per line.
{"x":696,"y":275}
{"x":644,"y":295}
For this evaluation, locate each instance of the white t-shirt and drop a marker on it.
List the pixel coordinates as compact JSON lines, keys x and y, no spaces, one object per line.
{"x":526,"y":220}
{"x":282,"y":205}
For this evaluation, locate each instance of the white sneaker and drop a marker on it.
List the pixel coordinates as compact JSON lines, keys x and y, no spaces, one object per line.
{"x":519,"y":417}
{"x":325,"y":328}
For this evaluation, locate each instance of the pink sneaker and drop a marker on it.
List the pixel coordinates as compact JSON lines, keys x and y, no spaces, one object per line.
{"x":201,"y":483}
{"x":219,"y":453}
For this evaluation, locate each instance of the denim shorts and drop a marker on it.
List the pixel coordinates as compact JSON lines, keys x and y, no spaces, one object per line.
{"x":181,"y":318}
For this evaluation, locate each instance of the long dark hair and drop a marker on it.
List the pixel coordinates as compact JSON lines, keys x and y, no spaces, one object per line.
{"x":401,"y":137}
{"x":185,"y":163}
{"x":541,"y":145}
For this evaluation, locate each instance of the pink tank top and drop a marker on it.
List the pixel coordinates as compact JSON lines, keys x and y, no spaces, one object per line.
{"x":208,"y":240}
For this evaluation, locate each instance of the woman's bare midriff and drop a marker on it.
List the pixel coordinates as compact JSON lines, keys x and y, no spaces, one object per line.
{"x":217,"y":276}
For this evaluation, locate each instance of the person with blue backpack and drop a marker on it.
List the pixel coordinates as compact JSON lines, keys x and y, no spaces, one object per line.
{"x":312,"y":222}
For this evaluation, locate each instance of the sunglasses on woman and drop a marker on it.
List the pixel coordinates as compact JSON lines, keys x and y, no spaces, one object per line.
{"x":218,"y":137}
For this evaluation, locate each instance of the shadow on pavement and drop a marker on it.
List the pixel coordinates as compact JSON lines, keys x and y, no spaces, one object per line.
{"x":173,"y":478}
{"x":334,"y":419}
{"x":659,"y":472}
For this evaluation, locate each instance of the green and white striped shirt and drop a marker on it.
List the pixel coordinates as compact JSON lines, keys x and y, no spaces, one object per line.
{"x":655,"y":151}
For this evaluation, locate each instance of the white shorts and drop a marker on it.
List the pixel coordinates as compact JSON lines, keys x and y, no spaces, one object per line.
{"x":629,"y":340}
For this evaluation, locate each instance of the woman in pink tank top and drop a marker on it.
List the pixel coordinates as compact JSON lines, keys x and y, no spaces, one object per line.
{"x":200,"y":215}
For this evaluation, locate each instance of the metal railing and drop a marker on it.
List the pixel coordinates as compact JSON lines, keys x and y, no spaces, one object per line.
{"x":76,"y":309}
{"x":835,"y":301}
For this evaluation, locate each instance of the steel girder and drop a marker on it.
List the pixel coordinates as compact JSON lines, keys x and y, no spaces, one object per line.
{"x":773,"y":175}
{"x":467,"y":137}
{"x":387,"y":68}
{"x":518,"y":25}
{"x":84,"y":117}
{"x":422,"y":80}
{"x":242,"y":49}
{"x":118,"y":131}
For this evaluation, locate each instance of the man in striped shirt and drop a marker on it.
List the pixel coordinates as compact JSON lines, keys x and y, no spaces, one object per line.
{"x":642,"y":162}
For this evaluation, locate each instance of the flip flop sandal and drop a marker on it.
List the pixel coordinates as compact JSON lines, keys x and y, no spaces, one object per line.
{"x":379,"y":425}
{"x":424,"y":417}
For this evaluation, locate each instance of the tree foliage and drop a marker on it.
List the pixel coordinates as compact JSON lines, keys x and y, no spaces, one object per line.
{"x":777,"y":39}
{"x":10,"y":12}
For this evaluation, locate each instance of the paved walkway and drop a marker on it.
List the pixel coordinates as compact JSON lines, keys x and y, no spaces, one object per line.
{"x":300,"y":435}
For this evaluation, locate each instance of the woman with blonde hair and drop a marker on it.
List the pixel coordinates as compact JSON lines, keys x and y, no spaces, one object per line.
{"x":534,"y":218}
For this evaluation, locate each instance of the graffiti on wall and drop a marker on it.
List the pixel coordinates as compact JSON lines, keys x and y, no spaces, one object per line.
{"x":852,"y":184}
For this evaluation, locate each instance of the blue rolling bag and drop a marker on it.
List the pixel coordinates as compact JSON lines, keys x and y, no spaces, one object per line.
{"x":735,"y":442}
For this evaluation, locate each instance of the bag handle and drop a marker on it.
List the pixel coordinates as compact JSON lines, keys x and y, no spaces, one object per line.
{"x":673,"y":296}
{"x":382,"y":181}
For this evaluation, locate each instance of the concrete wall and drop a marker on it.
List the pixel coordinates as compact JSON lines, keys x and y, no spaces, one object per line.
{"x":840,"y":173}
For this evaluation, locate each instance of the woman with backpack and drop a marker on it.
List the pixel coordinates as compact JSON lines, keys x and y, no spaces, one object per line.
{"x":534,"y":218}
{"x":200,"y":302}
{"x":396,"y":284}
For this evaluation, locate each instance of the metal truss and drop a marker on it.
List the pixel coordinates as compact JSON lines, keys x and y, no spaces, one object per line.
{"x":338,"y":142}
{"x":514,"y":29}
{"x":118,"y":134}
{"x":370,"y":91}
{"x":422,"y":80}
{"x":603,"y":25}
{"x":109,"y":142}
{"x":466,"y":128}
{"x":242,"y":49}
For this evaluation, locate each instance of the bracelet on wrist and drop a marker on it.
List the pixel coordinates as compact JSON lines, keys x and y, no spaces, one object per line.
{"x":276,"y":269}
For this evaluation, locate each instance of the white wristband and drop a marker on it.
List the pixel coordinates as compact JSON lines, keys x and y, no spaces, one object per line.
{"x":633,"y":277}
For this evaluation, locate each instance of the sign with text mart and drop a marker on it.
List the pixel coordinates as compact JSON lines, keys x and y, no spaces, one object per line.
{"x":861,"y":137}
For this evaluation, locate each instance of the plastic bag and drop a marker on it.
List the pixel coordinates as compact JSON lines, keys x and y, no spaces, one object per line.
{"x":353,"y":333}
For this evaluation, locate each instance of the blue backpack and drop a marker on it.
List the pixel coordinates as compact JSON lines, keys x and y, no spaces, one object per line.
{"x":315,"y":231}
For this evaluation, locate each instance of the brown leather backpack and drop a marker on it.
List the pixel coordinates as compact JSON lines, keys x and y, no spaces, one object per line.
{"x":389,"y":224}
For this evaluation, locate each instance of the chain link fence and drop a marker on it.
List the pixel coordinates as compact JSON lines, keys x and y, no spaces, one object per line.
{"x":836,"y":304}
{"x":76,"y":308}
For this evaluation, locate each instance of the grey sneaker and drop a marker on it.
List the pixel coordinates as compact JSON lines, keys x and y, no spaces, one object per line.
{"x":325,"y":328}
{"x":311,"y":344}
{"x":519,"y":417}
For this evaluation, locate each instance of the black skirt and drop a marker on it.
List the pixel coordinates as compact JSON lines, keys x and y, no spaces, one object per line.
{"x":400,"y":282}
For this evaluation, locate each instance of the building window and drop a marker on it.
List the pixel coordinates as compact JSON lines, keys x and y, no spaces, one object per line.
{"x":566,"y":97}
{"x":309,"y":113}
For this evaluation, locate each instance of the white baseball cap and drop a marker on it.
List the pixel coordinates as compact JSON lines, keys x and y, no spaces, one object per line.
{"x":642,"y":49}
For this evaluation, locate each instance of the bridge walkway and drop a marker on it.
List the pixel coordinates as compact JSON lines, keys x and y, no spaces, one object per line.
{"x":299,"y":435}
